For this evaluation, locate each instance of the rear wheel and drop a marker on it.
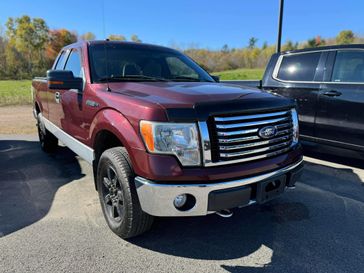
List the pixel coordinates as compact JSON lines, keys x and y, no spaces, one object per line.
{"x":118,"y":196}
{"x":48,"y":141}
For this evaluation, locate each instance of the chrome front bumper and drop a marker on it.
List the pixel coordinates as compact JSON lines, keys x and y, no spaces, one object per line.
{"x":157,"y":199}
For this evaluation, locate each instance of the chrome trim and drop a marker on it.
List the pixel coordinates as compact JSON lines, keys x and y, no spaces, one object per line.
{"x":249,"y":152}
{"x":240,"y":132}
{"x":235,"y":118}
{"x":157,"y":199}
{"x":205,"y":143}
{"x":252,"y":123}
{"x":238,"y":139}
{"x":254,"y":144}
{"x":78,"y":147}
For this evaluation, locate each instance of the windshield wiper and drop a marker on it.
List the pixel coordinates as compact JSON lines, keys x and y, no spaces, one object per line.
{"x":185,"y":78}
{"x":131,"y":77}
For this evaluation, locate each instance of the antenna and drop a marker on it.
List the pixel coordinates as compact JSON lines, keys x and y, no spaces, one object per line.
{"x":105,"y":49}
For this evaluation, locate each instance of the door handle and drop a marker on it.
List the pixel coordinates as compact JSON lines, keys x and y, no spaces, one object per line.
{"x":332,"y":93}
{"x":57,"y":97}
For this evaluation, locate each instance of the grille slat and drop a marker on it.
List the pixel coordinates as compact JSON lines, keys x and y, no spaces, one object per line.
{"x":255,"y":151}
{"x":252,"y":123}
{"x":240,"y":141}
{"x":245,"y":117}
{"x":254,"y":144}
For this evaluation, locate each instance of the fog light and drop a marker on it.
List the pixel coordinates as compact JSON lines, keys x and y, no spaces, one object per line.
{"x":180,"y":200}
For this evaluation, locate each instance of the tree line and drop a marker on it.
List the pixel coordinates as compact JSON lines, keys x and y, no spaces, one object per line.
{"x":28,"y":47}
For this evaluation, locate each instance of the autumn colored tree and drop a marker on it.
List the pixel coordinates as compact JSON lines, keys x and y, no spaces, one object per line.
{"x":58,"y":38}
{"x":88,"y":36}
{"x":345,"y":37}
{"x":135,"y":38}
{"x":27,"y":38}
{"x":116,"y":37}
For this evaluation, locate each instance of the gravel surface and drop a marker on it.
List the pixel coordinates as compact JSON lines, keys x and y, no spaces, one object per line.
{"x":51,"y":221}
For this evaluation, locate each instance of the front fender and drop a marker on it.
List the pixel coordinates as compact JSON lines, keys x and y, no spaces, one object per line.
{"x":117,"y":124}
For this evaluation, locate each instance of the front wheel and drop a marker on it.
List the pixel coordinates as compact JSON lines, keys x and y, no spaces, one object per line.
{"x":118,"y":197}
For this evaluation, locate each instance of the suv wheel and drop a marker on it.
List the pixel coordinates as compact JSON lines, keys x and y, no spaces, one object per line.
{"x":118,"y":197}
{"x":48,"y":142}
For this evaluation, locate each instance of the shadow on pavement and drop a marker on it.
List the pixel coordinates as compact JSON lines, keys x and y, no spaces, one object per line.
{"x":316,"y":228}
{"x":29,"y":180}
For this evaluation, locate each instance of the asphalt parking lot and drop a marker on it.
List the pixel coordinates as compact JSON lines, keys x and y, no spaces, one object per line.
{"x":51,"y":221}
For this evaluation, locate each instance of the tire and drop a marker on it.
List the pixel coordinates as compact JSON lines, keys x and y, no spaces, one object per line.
{"x":118,"y":197}
{"x":48,"y":141}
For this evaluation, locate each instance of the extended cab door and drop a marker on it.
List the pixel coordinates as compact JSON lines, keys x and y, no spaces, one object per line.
{"x":297,"y":76}
{"x":55,"y":111}
{"x":340,"y":116}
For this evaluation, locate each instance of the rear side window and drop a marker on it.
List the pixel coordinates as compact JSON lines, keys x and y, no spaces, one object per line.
{"x":348,"y":67}
{"x":299,"y":67}
{"x":74,"y":63}
{"x":60,"y":62}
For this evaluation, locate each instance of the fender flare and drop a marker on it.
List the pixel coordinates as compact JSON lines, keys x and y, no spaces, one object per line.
{"x":117,"y":124}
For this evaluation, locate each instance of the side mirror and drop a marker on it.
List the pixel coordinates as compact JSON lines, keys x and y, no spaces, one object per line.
{"x":63,"y":79}
{"x":216,"y":78}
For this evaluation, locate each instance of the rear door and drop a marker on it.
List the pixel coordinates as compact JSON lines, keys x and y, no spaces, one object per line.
{"x":340,"y":116}
{"x":55,"y":109}
{"x":297,"y":76}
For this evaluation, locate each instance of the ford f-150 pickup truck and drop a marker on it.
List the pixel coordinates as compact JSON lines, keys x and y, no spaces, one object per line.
{"x":163,"y":136}
{"x":327,"y":84}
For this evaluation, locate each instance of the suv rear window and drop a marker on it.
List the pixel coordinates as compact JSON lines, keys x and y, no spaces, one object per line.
{"x":348,"y":67}
{"x":299,"y":67}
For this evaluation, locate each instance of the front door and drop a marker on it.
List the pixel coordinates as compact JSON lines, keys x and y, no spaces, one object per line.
{"x":73,"y":100}
{"x":298,"y":77}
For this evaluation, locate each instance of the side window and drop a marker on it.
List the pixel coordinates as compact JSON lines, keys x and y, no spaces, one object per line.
{"x":178,"y":68}
{"x":74,"y":63}
{"x":348,"y":67}
{"x":299,"y":67}
{"x":60,"y":62}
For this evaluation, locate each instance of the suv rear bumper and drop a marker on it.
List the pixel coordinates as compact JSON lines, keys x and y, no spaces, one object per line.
{"x":158,"y":199}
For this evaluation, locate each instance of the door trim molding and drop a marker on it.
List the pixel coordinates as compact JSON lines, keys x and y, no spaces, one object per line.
{"x":335,"y":143}
{"x":75,"y":145}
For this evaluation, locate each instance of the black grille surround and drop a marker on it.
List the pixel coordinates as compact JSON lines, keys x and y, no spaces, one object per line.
{"x":235,"y":137}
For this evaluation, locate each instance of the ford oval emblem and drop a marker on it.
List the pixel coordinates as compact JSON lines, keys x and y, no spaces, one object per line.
{"x":268,"y":132}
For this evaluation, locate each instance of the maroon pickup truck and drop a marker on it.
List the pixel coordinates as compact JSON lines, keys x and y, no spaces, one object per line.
{"x":163,"y":136}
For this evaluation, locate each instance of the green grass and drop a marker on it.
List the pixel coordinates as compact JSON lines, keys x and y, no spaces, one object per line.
{"x":14,"y":92}
{"x":241,"y":74}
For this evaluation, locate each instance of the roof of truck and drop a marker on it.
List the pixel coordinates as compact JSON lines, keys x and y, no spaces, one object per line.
{"x":323,"y":48}
{"x":94,"y":42}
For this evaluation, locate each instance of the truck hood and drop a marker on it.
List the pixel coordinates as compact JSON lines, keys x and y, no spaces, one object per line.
{"x":182,"y":95}
{"x":199,"y":100}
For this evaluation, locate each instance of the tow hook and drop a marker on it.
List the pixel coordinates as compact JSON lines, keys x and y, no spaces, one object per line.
{"x":225,"y":213}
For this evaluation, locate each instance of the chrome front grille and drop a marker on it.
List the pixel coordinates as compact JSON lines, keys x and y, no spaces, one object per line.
{"x":236,"y":138}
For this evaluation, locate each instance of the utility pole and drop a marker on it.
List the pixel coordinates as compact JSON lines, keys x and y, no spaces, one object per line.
{"x":280,"y":21}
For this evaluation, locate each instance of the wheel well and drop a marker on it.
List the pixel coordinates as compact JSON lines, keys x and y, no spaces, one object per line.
{"x":37,"y":109}
{"x":104,"y":140}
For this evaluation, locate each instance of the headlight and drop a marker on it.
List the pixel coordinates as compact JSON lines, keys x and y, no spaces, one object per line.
{"x":179,"y":139}
{"x":295,"y":126}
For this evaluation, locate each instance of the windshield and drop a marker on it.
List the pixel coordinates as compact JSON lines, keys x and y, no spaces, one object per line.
{"x":130,"y":62}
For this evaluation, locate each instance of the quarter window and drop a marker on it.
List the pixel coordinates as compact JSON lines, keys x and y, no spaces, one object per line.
{"x":348,"y":67}
{"x":74,"y":63}
{"x":299,"y":67}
